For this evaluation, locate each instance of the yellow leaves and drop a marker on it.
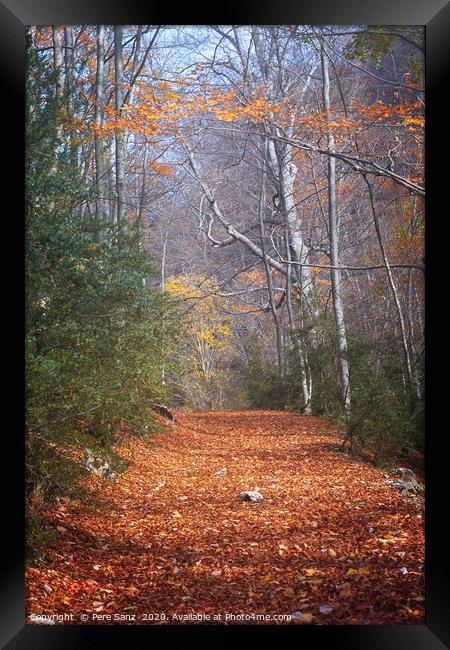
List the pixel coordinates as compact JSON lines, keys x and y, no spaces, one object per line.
{"x":324,"y":121}
{"x":226,"y":116}
{"x":176,"y":515}
{"x":417,"y":121}
{"x":187,"y":286}
{"x":345,"y":591}
{"x":208,"y":333}
{"x":361,"y":571}
{"x":311,"y":572}
{"x":267,"y":578}
{"x":72,"y":124}
{"x":307,"y":618}
{"x":257,"y":108}
{"x":409,"y":113}
{"x":332,"y":552}
{"x":255,"y":276}
{"x":206,"y":336}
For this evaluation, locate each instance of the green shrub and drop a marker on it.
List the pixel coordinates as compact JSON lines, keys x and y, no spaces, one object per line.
{"x":265,"y":388}
{"x":381,"y":420}
{"x":95,"y":330}
{"x":319,"y":341}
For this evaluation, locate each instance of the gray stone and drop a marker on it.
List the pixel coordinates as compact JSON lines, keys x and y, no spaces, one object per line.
{"x":221,"y":472}
{"x":405,"y":481}
{"x":163,"y":410}
{"x":251,"y":496}
{"x":100,"y":466}
{"x":407,"y":474}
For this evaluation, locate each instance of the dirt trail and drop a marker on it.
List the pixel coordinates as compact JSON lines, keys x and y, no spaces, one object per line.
{"x":171,"y":538}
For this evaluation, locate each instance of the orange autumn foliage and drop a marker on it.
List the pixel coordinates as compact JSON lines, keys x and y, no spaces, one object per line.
{"x":171,"y":537}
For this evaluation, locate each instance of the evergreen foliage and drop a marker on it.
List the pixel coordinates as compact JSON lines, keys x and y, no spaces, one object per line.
{"x":265,"y":388}
{"x":94,"y":328}
{"x":381,"y":421}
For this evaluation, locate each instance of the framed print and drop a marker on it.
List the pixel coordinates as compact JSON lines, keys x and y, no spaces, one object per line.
{"x":230,"y":427}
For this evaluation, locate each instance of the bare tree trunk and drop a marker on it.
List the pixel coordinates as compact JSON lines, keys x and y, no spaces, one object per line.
{"x":272,"y":301}
{"x":120,"y":138}
{"x":411,"y":386}
{"x":335,"y":272}
{"x":140,"y":213}
{"x":409,"y":313}
{"x":59,"y":89}
{"x":413,"y":343}
{"x":30,"y":37}
{"x":30,"y":46}
{"x":305,"y":375}
{"x":282,"y":163}
{"x":285,"y":170}
{"x":165,"y":242}
{"x":69,"y":58}
{"x":102,"y":205}
{"x":58,"y":100}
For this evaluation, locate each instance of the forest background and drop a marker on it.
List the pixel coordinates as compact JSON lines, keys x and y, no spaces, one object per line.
{"x":221,"y":218}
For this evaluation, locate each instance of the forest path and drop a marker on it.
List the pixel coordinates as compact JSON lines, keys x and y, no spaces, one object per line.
{"x":169,"y":537}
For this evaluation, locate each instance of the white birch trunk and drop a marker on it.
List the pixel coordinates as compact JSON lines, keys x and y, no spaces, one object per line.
{"x":120,"y":138}
{"x":335,"y":273}
{"x":59,"y":88}
{"x":102,"y":205}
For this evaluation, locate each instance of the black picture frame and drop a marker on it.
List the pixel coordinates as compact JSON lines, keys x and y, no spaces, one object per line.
{"x":435,"y":16}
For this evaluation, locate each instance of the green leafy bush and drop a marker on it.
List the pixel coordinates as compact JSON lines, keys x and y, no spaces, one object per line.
{"x":381,"y":420}
{"x":319,"y":340}
{"x":95,"y":330}
{"x":265,"y":388}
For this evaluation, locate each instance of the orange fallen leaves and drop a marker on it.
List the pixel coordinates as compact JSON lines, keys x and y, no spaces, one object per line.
{"x":144,"y":547}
